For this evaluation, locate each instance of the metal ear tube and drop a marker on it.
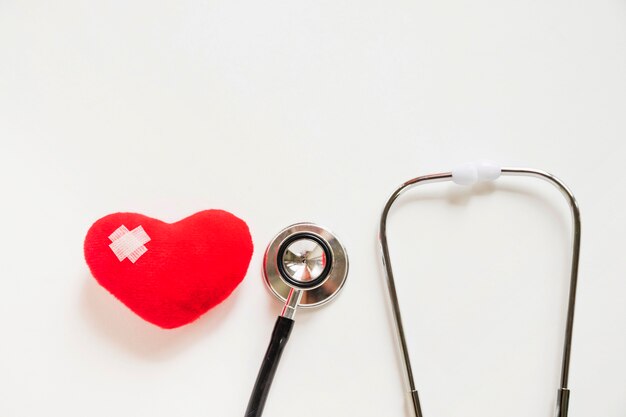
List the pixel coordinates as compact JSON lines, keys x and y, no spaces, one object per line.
{"x":469,"y":174}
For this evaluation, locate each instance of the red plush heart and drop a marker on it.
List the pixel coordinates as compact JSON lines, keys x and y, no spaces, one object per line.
{"x":169,"y":274}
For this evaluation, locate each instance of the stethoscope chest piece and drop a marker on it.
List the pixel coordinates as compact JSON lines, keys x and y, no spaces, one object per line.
{"x":307,"y":257}
{"x":304,"y":266}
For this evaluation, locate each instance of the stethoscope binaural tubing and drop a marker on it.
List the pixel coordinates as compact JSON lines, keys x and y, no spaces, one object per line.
{"x":563,"y":392}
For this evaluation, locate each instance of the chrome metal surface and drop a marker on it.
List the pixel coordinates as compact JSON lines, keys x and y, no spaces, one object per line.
{"x":309,"y":266}
{"x":304,"y":260}
{"x":291,"y":304}
{"x":563,"y":397}
{"x":391,"y":284}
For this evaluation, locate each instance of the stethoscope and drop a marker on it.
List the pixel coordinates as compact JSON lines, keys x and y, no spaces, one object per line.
{"x":470,"y":174}
{"x":304,"y":266}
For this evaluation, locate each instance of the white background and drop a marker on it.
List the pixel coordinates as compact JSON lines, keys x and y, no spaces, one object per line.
{"x":285,"y":111}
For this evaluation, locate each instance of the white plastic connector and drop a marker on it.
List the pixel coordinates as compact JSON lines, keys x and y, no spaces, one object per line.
{"x":474,"y":172}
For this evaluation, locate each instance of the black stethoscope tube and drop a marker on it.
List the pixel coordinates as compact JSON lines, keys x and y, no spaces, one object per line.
{"x":280,"y":336}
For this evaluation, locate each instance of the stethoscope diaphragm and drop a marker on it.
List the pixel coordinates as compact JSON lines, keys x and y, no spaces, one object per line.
{"x":307,"y":257}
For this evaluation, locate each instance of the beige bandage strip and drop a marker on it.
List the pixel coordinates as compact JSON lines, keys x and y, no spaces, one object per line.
{"x":129,"y":244}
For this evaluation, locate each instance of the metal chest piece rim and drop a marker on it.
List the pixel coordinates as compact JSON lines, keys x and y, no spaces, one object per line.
{"x":318,"y":289}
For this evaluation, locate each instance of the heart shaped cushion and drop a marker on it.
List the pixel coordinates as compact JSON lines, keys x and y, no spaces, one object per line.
{"x":169,"y":274}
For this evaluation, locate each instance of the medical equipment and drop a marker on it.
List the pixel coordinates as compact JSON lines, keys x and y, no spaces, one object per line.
{"x":469,"y":174}
{"x":304,"y":266}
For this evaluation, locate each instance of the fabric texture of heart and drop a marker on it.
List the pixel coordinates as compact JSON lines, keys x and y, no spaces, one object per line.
{"x":169,"y":274}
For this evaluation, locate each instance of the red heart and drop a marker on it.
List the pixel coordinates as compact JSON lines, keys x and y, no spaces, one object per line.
{"x":188,"y":266}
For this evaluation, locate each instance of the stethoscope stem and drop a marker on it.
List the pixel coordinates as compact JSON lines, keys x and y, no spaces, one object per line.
{"x":289,"y":309}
